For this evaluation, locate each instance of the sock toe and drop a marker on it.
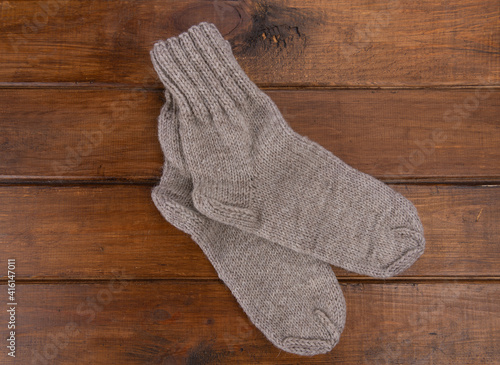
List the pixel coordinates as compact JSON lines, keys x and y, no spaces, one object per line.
{"x":306,"y":347}
{"x":413,"y":243}
{"x":328,"y":338}
{"x":404,"y":246}
{"x":402,"y":237}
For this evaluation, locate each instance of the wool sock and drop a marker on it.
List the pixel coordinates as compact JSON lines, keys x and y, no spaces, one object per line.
{"x":295,"y":300}
{"x":250,"y":170}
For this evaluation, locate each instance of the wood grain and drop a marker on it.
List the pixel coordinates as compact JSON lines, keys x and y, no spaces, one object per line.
{"x":408,"y":92}
{"x":110,"y":135}
{"x":295,"y":43}
{"x":126,"y":322}
{"x":87,"y":232}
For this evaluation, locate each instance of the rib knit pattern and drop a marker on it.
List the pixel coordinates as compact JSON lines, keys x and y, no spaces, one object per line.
{"x":250,"y":170}
{"x":295,"y":300}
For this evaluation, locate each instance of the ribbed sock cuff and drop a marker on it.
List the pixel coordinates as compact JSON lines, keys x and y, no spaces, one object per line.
{"x":199,"y":69}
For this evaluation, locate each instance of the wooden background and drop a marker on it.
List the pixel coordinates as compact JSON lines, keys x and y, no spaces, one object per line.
{"x":406,"y":91}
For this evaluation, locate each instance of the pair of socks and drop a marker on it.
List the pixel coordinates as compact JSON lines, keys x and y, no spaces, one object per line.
{"x":269,"y":208}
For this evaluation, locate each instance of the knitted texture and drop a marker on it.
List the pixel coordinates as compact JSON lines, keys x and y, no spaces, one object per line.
{"x":295,"y":300}
{"x":250,"y":170}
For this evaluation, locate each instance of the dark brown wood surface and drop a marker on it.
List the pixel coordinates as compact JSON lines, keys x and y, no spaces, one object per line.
{"x":122,"y":321}
{"x":425,"y":135}
{"x":408,"y":92}
{"x":86,"y":232}
{"x":279,"y":43}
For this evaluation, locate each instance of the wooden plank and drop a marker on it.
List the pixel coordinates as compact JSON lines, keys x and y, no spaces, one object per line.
{"x":127,"y":322}
{"x":79,"y":232}
{"x":394,"y":135}
{"x":91,"y":135}
{"x":300,"y":43}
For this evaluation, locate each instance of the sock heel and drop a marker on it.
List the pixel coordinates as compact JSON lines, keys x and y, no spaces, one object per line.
{"x":227,"y":214}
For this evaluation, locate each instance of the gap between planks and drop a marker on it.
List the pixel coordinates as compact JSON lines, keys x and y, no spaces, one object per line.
{"x":37,"y":181}
{"x":341,"y":279}
{"x":274,"y":87}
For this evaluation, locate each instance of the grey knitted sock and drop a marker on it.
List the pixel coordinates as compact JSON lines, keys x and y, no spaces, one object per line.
{"x":252,"y":171}
{"x":295,"y":300}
